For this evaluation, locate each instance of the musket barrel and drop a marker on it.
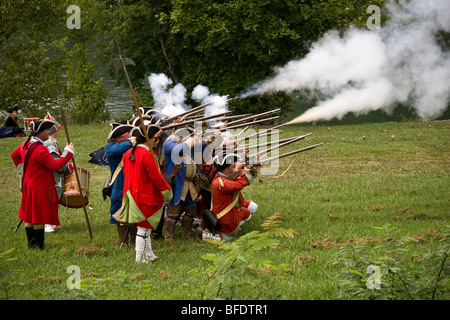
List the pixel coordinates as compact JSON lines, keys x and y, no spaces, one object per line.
{"x":246,"y":124}
{"x":254,"y":116}
{"x":231,"y":117}
{"x":196,"y":109}
{"x":289,"y":153}
{"x":272,"y":142}
{"x":258,"y":133}
{"x":285,"y":143}
{"x":203,"y":119}
{"x":193,"y":110}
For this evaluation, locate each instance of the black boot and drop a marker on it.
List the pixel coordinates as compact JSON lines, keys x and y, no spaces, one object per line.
{"x":30,"y":237}
{"x":39,"y":237}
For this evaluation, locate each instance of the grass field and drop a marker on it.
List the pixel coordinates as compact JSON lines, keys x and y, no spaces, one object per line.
{"x":373,"y":194}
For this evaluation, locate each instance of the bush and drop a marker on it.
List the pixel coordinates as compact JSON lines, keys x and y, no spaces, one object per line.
{"x":393,"y":274}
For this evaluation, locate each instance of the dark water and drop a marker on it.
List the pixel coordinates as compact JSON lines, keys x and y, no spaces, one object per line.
{"x":119,"y":101}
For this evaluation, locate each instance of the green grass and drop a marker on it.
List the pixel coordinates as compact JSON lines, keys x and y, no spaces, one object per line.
{"x":364,"y":176}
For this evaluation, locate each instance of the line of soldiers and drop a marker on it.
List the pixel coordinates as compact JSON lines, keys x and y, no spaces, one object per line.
{"x":195,"y":169}
{"x":176,"y":176}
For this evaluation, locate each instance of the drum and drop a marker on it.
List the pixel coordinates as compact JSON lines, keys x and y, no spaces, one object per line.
{"x":27,"y":121}
{"x":74,"y":197}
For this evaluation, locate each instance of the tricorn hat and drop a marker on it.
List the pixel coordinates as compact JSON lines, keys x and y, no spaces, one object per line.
{"x":12,"y":109}
{"x":152,"y":129}
{"x":118,"y":129}
{"x":136,"y":121}
{"x":56,"y":126}
{"x":41,"y":125}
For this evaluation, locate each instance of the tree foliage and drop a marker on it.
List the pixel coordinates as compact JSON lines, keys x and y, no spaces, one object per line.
{"x":225,"y":45}
{"x":42,"y":61}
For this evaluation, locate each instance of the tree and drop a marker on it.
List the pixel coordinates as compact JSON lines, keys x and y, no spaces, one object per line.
{"x":31,"y":60}
{"x":40,"y":59}
{"x":225,"y":45}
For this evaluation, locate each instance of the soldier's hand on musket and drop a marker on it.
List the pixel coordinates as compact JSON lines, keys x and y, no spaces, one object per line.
{"x":178,"y":120}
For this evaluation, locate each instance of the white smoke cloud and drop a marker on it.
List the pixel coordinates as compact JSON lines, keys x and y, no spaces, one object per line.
{"x":171,"y":101}
{"x":367,"y":70}
{"x":218,"y":103}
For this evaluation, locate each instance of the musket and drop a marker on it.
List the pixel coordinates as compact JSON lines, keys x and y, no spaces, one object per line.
{"x":194,"y":110}
{"x":260,"y":133}
{"x":256,"y":116}
{"x":194,"y":116}
{"x":191,"y":111}
{"x":273,"y":142}
{"x":226,"y":118}
{"x":264,"y":161}
{"x":181,"y":124}
{"x":254,"y":155}
{"x":234,"y":144}
{"x":235,"y":174}
{"x":244,"y":124}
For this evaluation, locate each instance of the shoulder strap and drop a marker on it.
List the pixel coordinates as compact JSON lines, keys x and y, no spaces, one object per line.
{"x":27,"y":156}
{"x":228,"y":208}
{"x":116,"y":173}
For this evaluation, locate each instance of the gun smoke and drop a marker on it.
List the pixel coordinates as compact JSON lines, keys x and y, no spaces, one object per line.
{"x":367,"y":70}
{"x":171,"y":100}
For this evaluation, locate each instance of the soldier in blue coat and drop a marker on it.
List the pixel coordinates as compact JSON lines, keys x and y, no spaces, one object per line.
{"x":185,"y":182}
{"x":119,"y":142}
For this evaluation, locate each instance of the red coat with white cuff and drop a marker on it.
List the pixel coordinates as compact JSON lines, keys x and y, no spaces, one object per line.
{"x":39,"y":203}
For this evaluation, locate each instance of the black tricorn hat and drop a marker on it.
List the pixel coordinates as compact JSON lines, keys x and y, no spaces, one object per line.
{"x":136,"y":121}
{"x":12,"y":109}
{"x":152,"y":129}
{"x":118,"y":129}
{"x":41,"y":125}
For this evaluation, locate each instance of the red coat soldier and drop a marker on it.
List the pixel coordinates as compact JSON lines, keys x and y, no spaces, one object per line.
{"x":145,"y":190}
{"x":39,"y":205}
{"x":228,"y":203}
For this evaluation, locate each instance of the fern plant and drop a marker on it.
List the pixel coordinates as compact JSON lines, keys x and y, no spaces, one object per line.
{"x":243,"y":270}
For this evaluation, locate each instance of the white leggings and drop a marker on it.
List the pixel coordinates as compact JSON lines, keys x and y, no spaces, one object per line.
{"x":144,"y":252}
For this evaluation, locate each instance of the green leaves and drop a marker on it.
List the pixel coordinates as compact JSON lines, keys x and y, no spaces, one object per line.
{"x":5,"y":272}
{"x":243,"y":270}
{"x":398,"y":278}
